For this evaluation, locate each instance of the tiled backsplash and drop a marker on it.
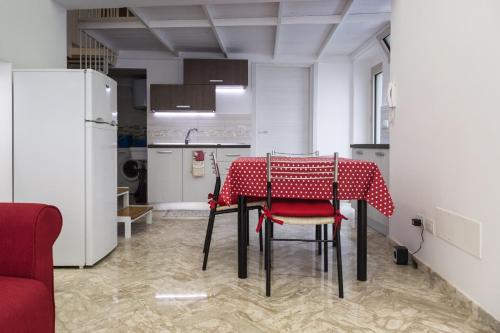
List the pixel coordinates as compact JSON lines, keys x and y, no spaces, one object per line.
{"x":221,"y":128}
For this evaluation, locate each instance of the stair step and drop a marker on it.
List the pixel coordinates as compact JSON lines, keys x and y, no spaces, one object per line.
{"x":134,"y":211}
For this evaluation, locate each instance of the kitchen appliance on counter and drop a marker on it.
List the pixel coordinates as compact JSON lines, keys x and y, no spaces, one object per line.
{"x":65,"y":147}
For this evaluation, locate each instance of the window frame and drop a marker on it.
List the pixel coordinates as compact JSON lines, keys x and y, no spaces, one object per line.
{"x":375,"y":114}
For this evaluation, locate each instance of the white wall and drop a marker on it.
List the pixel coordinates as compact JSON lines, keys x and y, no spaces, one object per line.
{"x":368,"y":56}
{"x":332,"y":99}
{"x":332,"y":121}
{"x":33,"y":33}
{"x":160,"y":68}
{"x":445,"y":64}
{"x":5,"y":132}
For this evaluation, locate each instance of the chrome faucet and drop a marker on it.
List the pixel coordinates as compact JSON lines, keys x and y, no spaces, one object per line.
{"x":187,"y":139}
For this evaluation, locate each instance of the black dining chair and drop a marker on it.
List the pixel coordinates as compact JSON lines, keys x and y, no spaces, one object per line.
{"x":218,"y":209}
{"x":293,"y":211}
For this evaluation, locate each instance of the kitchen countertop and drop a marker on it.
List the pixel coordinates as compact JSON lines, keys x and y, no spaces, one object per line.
{"x":370,"y":146}
{"x":199,"y":145}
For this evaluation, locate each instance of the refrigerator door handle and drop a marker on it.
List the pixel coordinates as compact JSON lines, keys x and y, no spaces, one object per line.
{"x":100,"y":121}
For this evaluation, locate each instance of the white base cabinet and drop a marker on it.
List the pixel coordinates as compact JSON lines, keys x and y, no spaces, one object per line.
{"x":196,"y":189}
{"x":164,"y":175}
{"x":170,"y":177}
{"x":375,"y":219}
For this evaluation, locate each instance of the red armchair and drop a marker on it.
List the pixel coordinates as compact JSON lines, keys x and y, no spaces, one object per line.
{"x":27,"y":234}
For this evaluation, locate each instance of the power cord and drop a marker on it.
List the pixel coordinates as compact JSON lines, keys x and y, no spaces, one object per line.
{"x":421,"y":241}
{"x":414,"y":263}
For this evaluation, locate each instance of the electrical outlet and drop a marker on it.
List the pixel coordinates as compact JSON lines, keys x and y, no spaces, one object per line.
{"x":429,"y":226}
{"x":418,"y":217}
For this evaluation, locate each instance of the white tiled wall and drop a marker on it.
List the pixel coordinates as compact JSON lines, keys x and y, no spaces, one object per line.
{"x":221,"y":128}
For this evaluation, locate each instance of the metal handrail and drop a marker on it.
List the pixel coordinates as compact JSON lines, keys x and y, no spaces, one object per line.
{"x":104,"y":13}
{"x":94,"y":54}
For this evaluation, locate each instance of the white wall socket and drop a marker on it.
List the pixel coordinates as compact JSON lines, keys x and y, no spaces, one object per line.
{"x":429,"y":226}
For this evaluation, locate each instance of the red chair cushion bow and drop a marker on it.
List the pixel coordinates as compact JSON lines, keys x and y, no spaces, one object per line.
{"x":338,"y":217}
{"x":266,"y":213}
{"x":213,"y":203}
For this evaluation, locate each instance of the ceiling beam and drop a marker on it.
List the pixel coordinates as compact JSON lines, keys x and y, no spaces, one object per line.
{"x":278,"y":28}
{"x":246,"y":21}
{"x":135,"y":23}
{"x":163,"y":39}
{"x":312,"y":19}
{"x":89,"y":4}
{"x":331,"y":33}
{"x":101,"y":25}
{"x":210,"y":17}
{"x":165,"y":24}
{"x":367,"y":17}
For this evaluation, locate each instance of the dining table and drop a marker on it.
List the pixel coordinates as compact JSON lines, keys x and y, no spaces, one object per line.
{"x":358,"y":180}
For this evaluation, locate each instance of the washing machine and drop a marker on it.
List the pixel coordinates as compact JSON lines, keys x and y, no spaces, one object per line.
{"x":128,"y":170}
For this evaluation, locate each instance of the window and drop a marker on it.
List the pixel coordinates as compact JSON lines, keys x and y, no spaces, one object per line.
{"x":384,"y":38}
{"x":377,"y":83}
{"x":387,"y":42}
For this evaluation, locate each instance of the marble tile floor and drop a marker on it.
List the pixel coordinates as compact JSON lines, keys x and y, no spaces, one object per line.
{"x":153,"y":282}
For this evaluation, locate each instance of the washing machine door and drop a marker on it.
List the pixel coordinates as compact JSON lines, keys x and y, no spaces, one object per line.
{"x":130,"y":169}
{"x":129,"y":174}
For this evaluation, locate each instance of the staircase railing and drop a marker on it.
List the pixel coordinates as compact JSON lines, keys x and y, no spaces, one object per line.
{"x":94,"y":54}
{"x":104,"y":13}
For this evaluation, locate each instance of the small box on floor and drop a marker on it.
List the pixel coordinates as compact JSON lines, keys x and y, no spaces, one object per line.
{"x":400,"y":255}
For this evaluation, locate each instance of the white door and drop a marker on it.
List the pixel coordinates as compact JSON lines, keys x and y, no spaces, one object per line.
{"x":283,"y":109}
{"x":101,"y":182}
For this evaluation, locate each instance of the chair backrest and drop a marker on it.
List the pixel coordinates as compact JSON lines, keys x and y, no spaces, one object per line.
{"x":277,"y":170}
{"x":312,"y":154}
{"x":215,"y":167}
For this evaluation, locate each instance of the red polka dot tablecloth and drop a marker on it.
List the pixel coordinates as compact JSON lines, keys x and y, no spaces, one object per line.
{"x":358,"y":180}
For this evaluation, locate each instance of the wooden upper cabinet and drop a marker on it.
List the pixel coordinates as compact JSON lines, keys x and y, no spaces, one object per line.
{"x":175,"y":97}
{"x":216,"y":71}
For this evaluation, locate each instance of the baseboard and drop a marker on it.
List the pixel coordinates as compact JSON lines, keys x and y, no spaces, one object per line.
{"x":476,"y":311}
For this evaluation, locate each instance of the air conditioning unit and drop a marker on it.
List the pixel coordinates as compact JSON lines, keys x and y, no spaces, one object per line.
{"x":140,"y":94}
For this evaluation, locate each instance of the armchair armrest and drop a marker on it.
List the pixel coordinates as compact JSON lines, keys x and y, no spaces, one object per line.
{"x":27,"y":234}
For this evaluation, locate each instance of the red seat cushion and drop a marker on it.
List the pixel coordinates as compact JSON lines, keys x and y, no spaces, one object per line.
{"x":25,"y":306}
{"x":301,"y":208}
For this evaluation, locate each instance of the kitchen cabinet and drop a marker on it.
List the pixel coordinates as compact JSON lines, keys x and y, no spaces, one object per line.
{"x":225,"y":156}
{"x":380,"y":156}
{"x":175,"y":97}
{"x":216,"y":72}
{"x":170,"y":178}
{"x":196,"y":189}
{"x":164,"y":175}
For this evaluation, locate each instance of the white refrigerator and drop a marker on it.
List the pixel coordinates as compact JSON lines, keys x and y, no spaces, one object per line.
{"x":65,"y":148}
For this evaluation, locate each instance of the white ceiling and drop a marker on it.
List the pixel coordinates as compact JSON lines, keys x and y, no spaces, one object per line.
{"x":301,"y":29}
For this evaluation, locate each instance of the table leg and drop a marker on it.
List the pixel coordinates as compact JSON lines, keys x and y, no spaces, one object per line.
{"x":242,"y":238}
{"x":362,"y":239}
{"x":247,"y":222}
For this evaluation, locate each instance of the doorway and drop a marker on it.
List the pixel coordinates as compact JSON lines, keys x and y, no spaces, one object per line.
{"x":132,"y":131}
{"x":283,"y":109}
